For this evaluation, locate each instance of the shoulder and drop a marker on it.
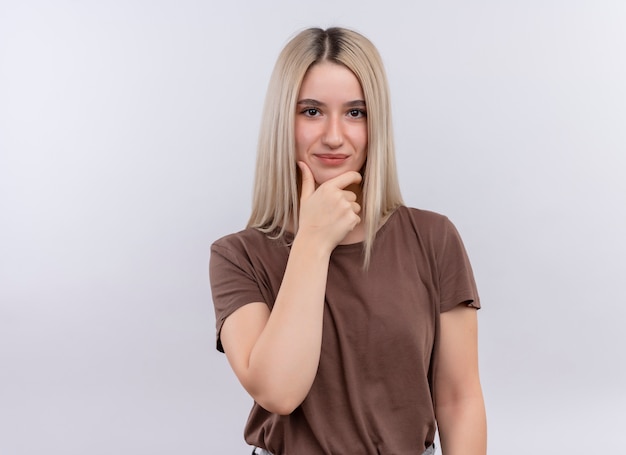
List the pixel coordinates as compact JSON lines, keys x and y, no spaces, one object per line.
{"x":250,"y":245}
{"x":423,"y":221}
{"x":433,"y":230}
{"x":239,"y":240}
{"x":424,"y":217}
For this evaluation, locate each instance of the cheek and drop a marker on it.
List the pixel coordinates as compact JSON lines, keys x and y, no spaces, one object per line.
{"x":304,"y":137}
{"x":299,"y":136}
{"x":359,"y":139}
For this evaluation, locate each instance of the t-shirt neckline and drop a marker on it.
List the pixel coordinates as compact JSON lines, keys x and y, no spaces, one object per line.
{"x":289,"y":236}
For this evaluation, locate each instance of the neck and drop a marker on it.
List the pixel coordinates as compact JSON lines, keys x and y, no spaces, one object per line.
{"x":356,"y":235}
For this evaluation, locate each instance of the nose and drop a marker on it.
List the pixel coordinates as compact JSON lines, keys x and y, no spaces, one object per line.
{"x":333,"y":133}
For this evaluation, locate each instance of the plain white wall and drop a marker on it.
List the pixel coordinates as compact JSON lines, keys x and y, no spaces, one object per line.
{"x":127,"y":145}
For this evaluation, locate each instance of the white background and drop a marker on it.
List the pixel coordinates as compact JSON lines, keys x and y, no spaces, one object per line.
{"x":127,"y":145}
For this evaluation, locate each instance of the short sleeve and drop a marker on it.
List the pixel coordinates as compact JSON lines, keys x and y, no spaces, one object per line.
{"x":233,"y":283}
{"x":456,"y":278}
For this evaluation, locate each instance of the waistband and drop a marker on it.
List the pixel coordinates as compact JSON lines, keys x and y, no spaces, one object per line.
{"x":260,"y":451}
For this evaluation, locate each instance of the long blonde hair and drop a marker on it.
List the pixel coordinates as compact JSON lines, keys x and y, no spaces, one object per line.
{"x":276,"y":201}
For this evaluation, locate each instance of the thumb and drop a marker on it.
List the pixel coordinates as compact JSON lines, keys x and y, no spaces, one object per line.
{"x":308,"y":182}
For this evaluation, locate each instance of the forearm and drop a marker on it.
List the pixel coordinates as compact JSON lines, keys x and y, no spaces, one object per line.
{"x":463,"y":426}
{"x":284,"y":360}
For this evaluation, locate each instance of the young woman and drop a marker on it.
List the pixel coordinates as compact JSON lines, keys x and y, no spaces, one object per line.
{"x":349,"y":318}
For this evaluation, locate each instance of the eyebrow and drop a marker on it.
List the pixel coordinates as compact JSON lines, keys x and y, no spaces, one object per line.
{"x":316,"y":103}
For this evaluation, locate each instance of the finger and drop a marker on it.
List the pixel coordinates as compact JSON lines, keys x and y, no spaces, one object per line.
{"x":356,"y":208}
{"x":350,"y":196}
{"x":345,"y":179}
{"x":308,"y":182}
{"x":357,"y":220}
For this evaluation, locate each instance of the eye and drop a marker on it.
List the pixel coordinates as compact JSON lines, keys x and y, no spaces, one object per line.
{"x":311,"y":112}
{"x":357,"y":113}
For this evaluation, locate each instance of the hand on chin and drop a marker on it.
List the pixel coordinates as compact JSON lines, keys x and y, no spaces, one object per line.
{"x":324,"y":175}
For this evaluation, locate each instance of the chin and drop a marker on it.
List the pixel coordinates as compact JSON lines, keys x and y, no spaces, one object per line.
{"x":324,"y":175}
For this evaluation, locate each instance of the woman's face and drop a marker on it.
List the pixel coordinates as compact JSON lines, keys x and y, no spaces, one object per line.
{"x":331,"y":122}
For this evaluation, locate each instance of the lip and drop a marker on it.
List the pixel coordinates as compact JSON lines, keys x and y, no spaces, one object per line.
{"x":332,"y":159}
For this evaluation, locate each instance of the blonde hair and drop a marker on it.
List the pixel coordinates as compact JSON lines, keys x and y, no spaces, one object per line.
{"x":276,"y":201}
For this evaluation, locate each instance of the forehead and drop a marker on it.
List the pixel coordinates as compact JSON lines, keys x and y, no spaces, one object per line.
{"x":330,"y":79}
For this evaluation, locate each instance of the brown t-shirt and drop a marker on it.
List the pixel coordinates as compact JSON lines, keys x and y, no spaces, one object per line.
{"x":373,"y":393}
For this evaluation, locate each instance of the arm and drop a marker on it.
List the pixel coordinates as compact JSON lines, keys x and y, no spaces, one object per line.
{"x":275,"y":355}
{"x":459,"y":404}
